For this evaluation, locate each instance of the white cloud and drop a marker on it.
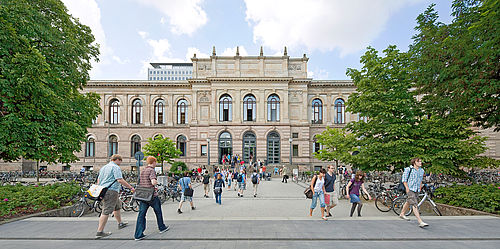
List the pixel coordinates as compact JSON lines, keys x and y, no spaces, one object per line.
{"x":232,"y":51}
{"x":185,"y":16}
{"x":143,"y":34}
{"x":191,"y":51}
{"x":319,"y":24}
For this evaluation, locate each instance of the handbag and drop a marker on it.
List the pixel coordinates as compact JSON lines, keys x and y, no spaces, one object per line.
{"x":401,"y":186}
{"x":308,"y":191}
{"x":187,"y":191}
{"x":143,"y":193}
{"x":327,"y":199}
{"x":218,"y":191}
{"x":97,"y":192}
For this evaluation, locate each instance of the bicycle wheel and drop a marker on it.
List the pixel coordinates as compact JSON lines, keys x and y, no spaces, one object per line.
{"x":79,"y":210}
{"x":436,"y":210}
{"x":135,"y":205}
{"x":397,"y":205}
{"x":126,"y":204}
{"x":383,"y":203}
{"x":98,"y":206}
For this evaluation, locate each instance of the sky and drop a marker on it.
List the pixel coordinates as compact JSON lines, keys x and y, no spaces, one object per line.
{"x":332,"y":33}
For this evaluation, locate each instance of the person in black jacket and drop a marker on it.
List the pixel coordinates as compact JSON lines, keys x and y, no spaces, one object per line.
{"x":218,"y":186}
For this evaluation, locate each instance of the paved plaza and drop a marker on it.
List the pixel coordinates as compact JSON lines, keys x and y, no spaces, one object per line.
{"x":276,"y":218}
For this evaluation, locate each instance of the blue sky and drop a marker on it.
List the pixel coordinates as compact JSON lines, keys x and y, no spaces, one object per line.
{"x":333,"y":34}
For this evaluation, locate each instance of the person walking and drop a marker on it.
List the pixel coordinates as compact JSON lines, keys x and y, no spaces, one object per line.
{"x":147,"y":179}
{"x":110,"y":176}
{"x":241,"y":183}
{"x":357,"y":183}
{"x":184,"y":184}
{"x":255,"y":182}
{"x":412,"y":179}
{"x":318,"y":188}
{"x":285,"y":175}
{"x":206,"y":183}
{"x":331,"y":198}
{"x":229,"y":180}
{"x":218,"y":186}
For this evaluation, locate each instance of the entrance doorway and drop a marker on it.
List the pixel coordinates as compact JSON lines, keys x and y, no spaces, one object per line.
{"x":249,"y":147}
{"x":225,"y":145}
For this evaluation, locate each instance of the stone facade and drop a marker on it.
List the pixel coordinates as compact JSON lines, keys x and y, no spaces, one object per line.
{"x":295,"y":123}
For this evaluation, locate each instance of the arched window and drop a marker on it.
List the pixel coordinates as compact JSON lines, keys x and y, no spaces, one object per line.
{"x":135,"y":145}
{"x":273,"y":148}
{"x":182,"y":111}
{"x":181,"y":144}
{"x":160,"y":111}
{"x":136,"y":111}
{"x":339,"y":108}
{"x":273,"y":108}
{"x":112,"y":145}
{"x":317,"y":111}
{"x":90,"y":147}
{"x":225,"y":108}
{"x":114,"y":111}
{"x":249,"y":108}
{"x":249,"y":147}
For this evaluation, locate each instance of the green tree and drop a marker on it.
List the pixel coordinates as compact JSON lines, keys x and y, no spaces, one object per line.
{"x":45,"y":56}
{"x":458,"y":64}
{"x":398,"y":128}
{"x":163,"y":149}
{"x":337,"y":145}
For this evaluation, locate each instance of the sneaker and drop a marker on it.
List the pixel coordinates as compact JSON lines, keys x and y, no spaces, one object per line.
{"x":423,"y":224}
{"x":241,"y":195}
{"x":164,"y":230}
{"x":254,"y":195}
{"x":404,"y":217}
{"x":122,"y":225}
{"x":179,"y":211}
{"x":193,"y":208}
{"x":141,"y":238}
{"x":238,"y":194}
{"x":99,"y":235}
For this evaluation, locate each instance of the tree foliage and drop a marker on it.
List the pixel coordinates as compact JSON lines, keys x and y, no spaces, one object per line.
{"x":458,"y":64}
{"x":163,"y":149}
{"x":398,"y":127}
{"x":337,"y":145}
{"x":45,"y":56}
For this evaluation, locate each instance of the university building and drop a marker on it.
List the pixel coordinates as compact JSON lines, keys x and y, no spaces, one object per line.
{"x":259,"y":107}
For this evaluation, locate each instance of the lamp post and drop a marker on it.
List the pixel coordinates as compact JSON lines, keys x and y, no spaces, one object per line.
{"x":291,"y":152}
{"x":107,"y":137}
{"x":208,"y":152}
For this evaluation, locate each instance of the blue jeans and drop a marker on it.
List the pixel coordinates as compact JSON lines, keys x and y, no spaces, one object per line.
{"x":218,"y":198}
{"x":141,"y":216}
{"x":318,"y":195}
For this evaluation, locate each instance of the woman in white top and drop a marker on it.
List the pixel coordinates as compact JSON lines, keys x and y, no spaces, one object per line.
{"x":318,"y":188}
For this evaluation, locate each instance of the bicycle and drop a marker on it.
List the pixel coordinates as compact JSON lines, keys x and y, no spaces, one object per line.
{"x":425,"y":195}
{"x":383,"y":201}
{"x":84,"y":202}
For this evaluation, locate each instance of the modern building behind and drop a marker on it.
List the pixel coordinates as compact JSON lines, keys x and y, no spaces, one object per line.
{"x":259,"y":107}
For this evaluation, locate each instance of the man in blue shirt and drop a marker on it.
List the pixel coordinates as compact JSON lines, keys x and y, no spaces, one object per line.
{"x":412,"y":179}
{"x":185,"y":183}
{"x":110,"y":176}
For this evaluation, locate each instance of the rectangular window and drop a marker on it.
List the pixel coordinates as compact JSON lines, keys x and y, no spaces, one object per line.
{"x":317,"y":147}
{"x":295,"y":149}
{"x":295,"y":135}
{"x":203,"y":150}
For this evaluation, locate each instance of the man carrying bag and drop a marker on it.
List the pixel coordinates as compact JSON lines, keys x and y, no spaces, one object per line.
{"x":147,"y":181}
{"x":187,"y":192}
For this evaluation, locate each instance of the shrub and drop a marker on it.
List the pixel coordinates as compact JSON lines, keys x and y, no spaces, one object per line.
{"x":480,"y":197}
{"x":178,"y":166}
{"x":18,"y":199}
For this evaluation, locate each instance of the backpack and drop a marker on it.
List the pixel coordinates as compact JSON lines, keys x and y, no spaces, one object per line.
{"x":255,"y":179}
{"x":240,"y":178}
{"x":206,"y":179}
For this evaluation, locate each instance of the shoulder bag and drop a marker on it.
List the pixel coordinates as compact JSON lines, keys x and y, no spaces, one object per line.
{"x":308,"y":191}
{"x":187,"y":190}
{"x":97,"y":192}
{"x":143,"y":193}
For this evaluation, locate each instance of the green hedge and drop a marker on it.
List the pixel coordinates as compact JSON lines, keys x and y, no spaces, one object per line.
{"x":479,"y":197}
{"x":16,"y":200}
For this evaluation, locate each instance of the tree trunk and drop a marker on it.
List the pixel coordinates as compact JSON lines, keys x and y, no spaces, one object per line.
{"x":38,"y":171}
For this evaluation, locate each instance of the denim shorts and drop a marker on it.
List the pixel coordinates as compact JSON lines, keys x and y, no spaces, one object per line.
{"x":354,"y":198}
{"x":186,"y":198}
{"x":241,"y":185}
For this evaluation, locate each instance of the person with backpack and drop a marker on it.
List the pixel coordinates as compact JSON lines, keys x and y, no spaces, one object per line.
{"x":235,"y":179}
{"x":185,"y":183}
{"x":218,"y":186}
{"x":147,"y":179}
{"x":206,"y":183}
{"x":110,"y":176}
{"x":318,"y":188}
{"x":412,"y":180}
{"x":255,"y":182}
{"x":357,"y":183}
{"x":241,"y":183}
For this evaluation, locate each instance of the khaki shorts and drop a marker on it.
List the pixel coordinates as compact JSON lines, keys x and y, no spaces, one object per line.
{"x":110,"y":202}
{"x":412,"y":198}
{"x":334,"y":198}
{"x":206,"y":187}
